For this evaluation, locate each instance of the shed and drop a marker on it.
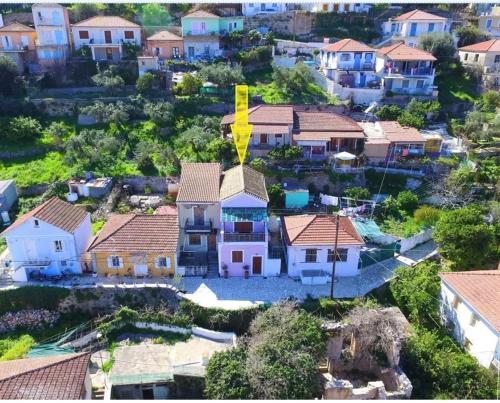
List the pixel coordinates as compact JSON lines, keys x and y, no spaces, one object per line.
{"x":8,"y":194}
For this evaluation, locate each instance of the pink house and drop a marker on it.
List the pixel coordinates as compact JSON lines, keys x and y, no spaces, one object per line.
{"x":243,"y":238}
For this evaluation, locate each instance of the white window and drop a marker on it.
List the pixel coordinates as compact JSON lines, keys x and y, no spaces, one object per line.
{"x":115,"y":262}
{"x":476,"y":57}
{"x":36,"y":223}
{"x":473,"y":320}
{"x":420,"y":83}
{"x":163,"y":262}
{"x":345,"y":57}
{"x":466,"y":56}
{"x":58,"y":246}
{"x":455,"y":302}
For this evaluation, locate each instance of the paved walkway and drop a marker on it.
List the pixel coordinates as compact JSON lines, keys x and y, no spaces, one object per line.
{"x":235,"y":293}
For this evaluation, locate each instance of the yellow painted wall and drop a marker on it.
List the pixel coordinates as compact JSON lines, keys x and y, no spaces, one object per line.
{"x":101,"y":262}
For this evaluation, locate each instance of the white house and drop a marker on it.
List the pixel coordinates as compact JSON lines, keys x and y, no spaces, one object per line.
{"x":310,"y":241}
{"x":406,"y":70}
{"x":251,"y":9}
{"x":52,"y":29}
{"x":470,"y":309}
{"x":410,"y":26}
{"x":106,"y":36}
{"x":337,"y":7}
{"x":50,"y":238}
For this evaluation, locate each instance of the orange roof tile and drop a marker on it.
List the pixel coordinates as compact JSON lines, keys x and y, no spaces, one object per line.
{"x":396,"y":133}
{"x":200,"y":182}
{"x":59,"y":377}
{"x":16,"y":27}
{"x":56,"y":212}
{"x":400,"y":51}
{"x":138,"y":233}
{"x":493,"y":45}
{"x":266,"y":114}
{"x":164,"y":36}
{"x":326,"y":136}
{"x":326,"y":121}
{"x":200,"y":14}
{"x":348,"y":45}
{"x":418,"y":15}
{"x":319,"y":230}
{"x":480,"y":289}
{"x":106,"y":21}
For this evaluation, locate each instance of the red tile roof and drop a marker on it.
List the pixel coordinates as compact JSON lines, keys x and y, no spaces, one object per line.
{"x":493,"y":45}
{"x":16,"y":27}
{"x":200,"y":182}
{"x":480,"y":289}
{"x":106,"y":21}
{"x":164,"y":36}
{"x":326,"y":121}
{"x":48,"y":378}
{"x":200,"y":14}
{"x":396,"y":133}
{"x":326,"y":136}
{"x":400,"y":51}
{"x":418,"y":15}
{"x":319,"y":230}
{"x":57,"y":212}
{"x":347,"y":45}
{"x":138,"y":233}
{"x":266,"y":114}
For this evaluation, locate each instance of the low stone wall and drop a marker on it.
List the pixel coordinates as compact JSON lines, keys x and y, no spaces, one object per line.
{"x":417,"y":239}
{"x":299,"y":23}
{"x":156,"y":184}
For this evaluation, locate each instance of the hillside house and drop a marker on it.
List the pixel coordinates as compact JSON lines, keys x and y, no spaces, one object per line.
{"x":164,"y":45}
{"x":484,"y":59}
{"x":17,"y":42}
{"x":50,"y":239}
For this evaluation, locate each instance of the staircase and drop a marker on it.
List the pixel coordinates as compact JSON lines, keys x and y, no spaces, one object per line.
{"x":213,"y":265}
{"x":98,"y":394}
{"x":5,"y":278}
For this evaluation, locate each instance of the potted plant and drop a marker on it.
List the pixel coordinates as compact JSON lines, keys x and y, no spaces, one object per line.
{"x":246,"y":270}
{"x":225,"y":270}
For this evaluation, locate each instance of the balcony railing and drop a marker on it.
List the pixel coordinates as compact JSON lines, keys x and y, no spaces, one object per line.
{"x":191,"y":226}
{"x":423,"y":71}
{"x":244,"y":237}
{"x":360,"y":67}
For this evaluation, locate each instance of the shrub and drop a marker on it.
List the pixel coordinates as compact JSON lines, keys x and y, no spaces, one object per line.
{"x":276,"y":195}
{"x":407,"y":201}
{"x":32,"y":297}
{"x":17,"y":349}
{"x":411,"y":120}
{"x":358,"y":193}
{"x":427,"y":216}
{"x":23,"y":129}
{"x":258,"y":164}
{"x":145,"y":83}
{"x":389,"y":112}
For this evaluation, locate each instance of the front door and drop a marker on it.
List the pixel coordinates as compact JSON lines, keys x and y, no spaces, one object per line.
{"x":357,"y":61}
{"x":413,"y":29}
{"x":257,"y":265}
{"x":191,"y":51}
{"x":212,"y":242}
{"x":199,"y":216}
{"x":109,"y":53}
{"x":141,"y":270}
{"x":107,"y":37}
{"x":362,"y":80}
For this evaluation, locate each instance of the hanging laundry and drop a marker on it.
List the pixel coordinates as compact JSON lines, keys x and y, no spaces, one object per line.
{"x":329,"y":200}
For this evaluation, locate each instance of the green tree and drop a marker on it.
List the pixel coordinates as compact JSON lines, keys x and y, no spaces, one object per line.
{"x":254,"y":36}
{"x":154,"y":15}
{"x":23,"y":129}
{"x":427,"y":216}
{"x":293,"y":80}
{"x":464,"y":238}
{"x":469,"y":35}
{"x":222,"y":74}
{"x":276,"y":195}
{"x":407,"y":201}
{"x":143,"y":157}
{"x":118,"y":112}
{"x":83,"y":11}
{"x":440,"y":44}
{"x":162,"y":113}
{"x":258,"y":164}
{"x":190,"y":85}
{"x":270,"y":41}
{"x":389,"y":112}
{"x":58,"y":131}
{"x":416,"y":290}
{"x":358,"y":193}
{"x":489,"y":101}
{"x":145,"y":84}
{"x":108,"y":79}
{"x":226,"y":376}
{"x":11,"y":84}
{"x":411,"y":120}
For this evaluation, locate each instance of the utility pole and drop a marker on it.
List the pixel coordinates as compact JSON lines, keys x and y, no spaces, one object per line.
{"x":337,"y":225}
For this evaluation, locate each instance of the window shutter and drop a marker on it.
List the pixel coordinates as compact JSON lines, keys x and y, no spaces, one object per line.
{"x":121,"y":262}
{"x":168,"y":262}
{"x":157,"y":262}
{"x":110,"y":262}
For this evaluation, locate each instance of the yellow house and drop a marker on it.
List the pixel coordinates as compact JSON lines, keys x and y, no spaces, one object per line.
{"x":136,"y":245}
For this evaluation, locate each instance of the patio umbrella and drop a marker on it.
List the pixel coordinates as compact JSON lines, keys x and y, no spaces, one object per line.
{"x":344,"y":156}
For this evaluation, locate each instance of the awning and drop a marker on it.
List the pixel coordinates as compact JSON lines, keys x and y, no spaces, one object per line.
{"x":344,"y":156}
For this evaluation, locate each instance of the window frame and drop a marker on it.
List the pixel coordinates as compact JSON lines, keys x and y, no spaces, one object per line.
{"x":80,"y":36}
{"x":166,"y":259}
{"x":128,"y":32}
{"x":311,"y":255}
{"x":195,"y":243}
{"x":237,"y":261}
{"x":58,"y":245}
{"x":114,"y":258}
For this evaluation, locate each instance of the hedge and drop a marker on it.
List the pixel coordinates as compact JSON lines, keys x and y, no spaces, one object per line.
{"x":31,"y":297}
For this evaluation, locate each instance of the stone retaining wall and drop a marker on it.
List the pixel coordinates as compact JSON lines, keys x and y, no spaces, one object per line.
{"x":299,"y":23}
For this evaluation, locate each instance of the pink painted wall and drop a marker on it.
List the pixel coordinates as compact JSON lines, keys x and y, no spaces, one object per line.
{"x":249,"y":250}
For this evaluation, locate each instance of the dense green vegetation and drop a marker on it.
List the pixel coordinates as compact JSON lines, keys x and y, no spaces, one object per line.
{"x":31,"y":297}
{"x":351,"y":25}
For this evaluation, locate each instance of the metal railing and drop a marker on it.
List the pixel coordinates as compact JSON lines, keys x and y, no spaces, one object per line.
{"x":244,"y":237}
{"x":191,"y":226}
{"x":422,"y":71}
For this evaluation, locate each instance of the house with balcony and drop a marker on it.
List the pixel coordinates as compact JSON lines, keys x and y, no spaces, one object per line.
{"x":271,"y":127}
{"x":349,"y":70}
{"x":136,"y":245}
{"x":323,"y":134}
{"x":406,"y":71}
{"x":53,"y":34}
{"x":489,"y":22}
{"x":17,"y":42}
{"x":409,"y":27}
{"x":337,"y":7}
{"x":251,"y":9}
{"x":388,"y":141}
{"x":106,"y":36}
{"x":203,"y":32}
{"x":165,"y":45}
{"x":198,"y":206}
{"x":483,"y":58}
{"x":310,"y":243}
{"x":49,"y":240}
{"x":469,"y":309}
{"x":243,"y":240}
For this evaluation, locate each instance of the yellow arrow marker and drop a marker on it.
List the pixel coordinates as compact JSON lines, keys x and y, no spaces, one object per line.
{"x":241,"y":130}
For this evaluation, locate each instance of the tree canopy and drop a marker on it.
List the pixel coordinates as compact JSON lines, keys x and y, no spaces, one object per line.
{"x":222,"y":74}
{"x":440,"y":44}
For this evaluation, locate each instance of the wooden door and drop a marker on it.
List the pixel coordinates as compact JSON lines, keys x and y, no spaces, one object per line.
{"x":257,"y":265}
{"x":212,"y":242}
{"x":107,"y":37}
{"x":199,"y":216}
{"x":109,"y":54}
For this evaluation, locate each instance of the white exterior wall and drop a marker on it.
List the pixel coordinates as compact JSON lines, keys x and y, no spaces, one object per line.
{"x":97,"y":34}
{"x":403,"y":29}
{"x":27,"y":243}
{"x":251,"y":9}
{"x":484,"y":339}
{"x":297,"y":263}
{"x":329,"y":7}
{"x":242,"y":200}
{"x":200,"y":47}
{"x":272,"y":140}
